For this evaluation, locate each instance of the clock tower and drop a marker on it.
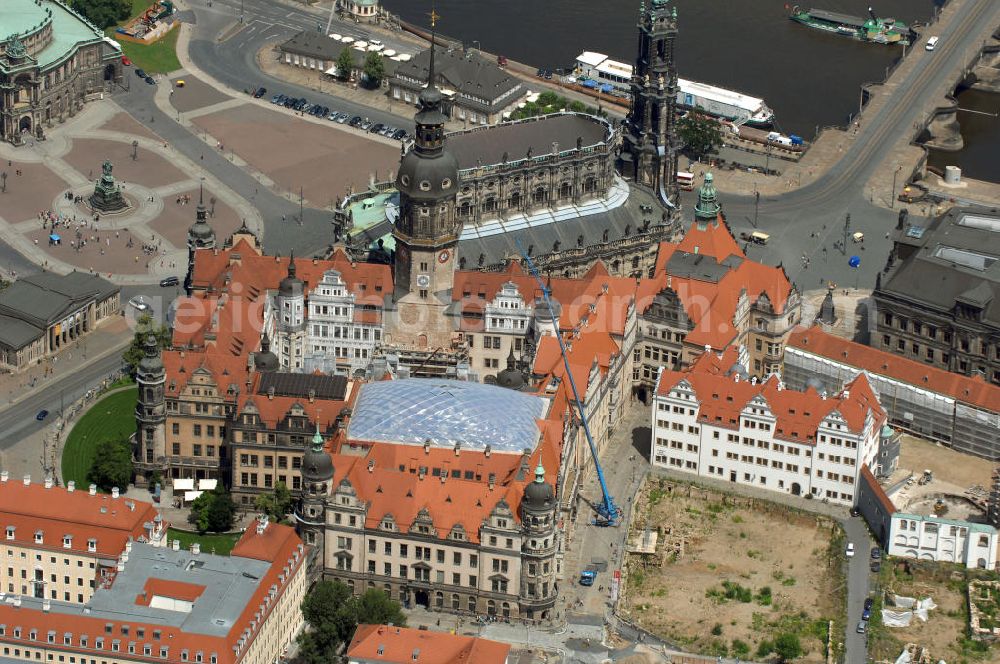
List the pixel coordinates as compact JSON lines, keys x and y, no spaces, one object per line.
{"x":427,"y":228}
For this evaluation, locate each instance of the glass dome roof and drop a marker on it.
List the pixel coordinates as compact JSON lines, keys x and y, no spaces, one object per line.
{"x":447,"y":412}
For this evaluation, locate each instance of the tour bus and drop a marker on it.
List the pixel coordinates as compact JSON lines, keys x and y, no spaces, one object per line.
{"x":931,"y":43}
{"x":685,"y":180}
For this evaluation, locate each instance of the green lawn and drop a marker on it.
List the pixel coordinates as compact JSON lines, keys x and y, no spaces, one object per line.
{"x":157,"y":58}
{"x":220,"y":544}
{"x":111,"y":418}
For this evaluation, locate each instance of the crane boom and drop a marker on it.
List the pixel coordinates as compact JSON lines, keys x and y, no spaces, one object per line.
{"x":607,"y":511}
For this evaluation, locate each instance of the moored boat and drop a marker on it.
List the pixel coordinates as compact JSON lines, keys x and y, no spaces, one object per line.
{"x":871,"y":29}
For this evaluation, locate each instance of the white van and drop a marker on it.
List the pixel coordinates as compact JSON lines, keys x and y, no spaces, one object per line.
{"x":931,"y":43}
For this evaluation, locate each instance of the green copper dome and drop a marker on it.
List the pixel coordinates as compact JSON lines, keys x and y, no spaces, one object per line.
{"x":707,"y":208}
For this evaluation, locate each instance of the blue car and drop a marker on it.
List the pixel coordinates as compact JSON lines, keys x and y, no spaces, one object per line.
{"x":42,"y":414}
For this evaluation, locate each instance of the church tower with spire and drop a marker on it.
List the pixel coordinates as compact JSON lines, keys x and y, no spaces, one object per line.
{"x":427,"y":228}
{"x":150,"y":411}
{"x":649,"y":147}
{"x":200,"y":236}
{"x":317,"y":472}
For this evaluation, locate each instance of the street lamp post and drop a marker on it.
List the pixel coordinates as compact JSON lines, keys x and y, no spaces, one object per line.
{"x":892,"y":195}
{"x":756,"y":206}
{"x":3,"y":177}
{"x":241,"y":11}
{"x":135,"y":149}
{"x":767,"y":162}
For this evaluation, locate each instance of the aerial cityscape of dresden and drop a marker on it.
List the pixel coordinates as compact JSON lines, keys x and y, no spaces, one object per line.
{"x":479,"y":332}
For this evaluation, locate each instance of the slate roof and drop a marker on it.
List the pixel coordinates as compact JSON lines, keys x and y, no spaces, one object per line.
{"x":15,"y":333}
{"x":487,"y":145}
{"x":478,"y":81}
{"x":313,"y":44}
{"x":44,"y":298}
{"x":955,"y":258}
{"x":299,"y":385}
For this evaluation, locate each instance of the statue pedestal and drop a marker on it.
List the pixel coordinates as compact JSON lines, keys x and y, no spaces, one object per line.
{"x":107,"y":197}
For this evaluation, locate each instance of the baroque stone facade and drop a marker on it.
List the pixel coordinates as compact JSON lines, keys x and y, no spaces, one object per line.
{"x":46,"y":77}
{"x":533,"y":165}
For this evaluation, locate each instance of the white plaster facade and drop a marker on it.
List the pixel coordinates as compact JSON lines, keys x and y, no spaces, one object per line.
{"x":823,"y":461}
{"x":946,"y":540}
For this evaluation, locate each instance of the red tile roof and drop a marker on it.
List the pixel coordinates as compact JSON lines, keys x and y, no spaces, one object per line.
{"x":713,"y":240}
{"x":279,"y":545}
{"x":878,"y":491}
{"x":402,"y":645}
{"x":723,"y":398}
{"x":57,"y":512}
{"x":971,"y":390}
{"x":187,"y":592}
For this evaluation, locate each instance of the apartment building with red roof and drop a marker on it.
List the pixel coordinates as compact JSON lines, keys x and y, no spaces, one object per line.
{"x":956,"y":410}
{"x":165,"y":604}
{"x":372,"y":644}
{"x":62,"y":543}
{"x":713,"y":420}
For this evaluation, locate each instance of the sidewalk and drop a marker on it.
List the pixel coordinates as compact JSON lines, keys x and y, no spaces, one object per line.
{"x":111,"y":337}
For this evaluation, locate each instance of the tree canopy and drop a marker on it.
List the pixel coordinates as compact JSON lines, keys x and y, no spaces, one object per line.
{"x":345,"y":63}
{"x":700,"y":133}
{"x":334,"y":613}
{"x":276,"y":504}
{"x":144,"y":326}
{"x":213,"y":511}
{"x":103,"y":13}
{"x":374,"y":68}
{"x":112,"y":466}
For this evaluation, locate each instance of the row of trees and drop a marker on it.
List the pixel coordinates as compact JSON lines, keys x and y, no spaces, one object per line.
{"x":373,"y":68}
{"x":103,"y":13}
{"x":550,"y":102}
{"x":334,"y":613}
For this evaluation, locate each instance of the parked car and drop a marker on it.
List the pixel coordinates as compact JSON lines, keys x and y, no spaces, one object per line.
{"x":876,"y":553}
{"x":342,"y":118}
{"x":260,"y":93}
{"x":150,"y":81}
{"x":169,"y":281}
{"x":866,"y":614}
{"x":356,"y":121}
{"x":540,"y":73}
{"x":869,"y":603}
{"x":141,"y":73}
{"x":276,"y":99}
{"x":388,"y":130}
{"x":366,"y":124}
{"x":548,"y":75}
{"x":855,"y":511}
{"x":126,"y":62}
{"x":332,"y":116}
{"x":850,"y":549}
{"x":399,"y":134}
{"x":875,"y":566}
{"x":862,"y":627}
{"x":42,"y":414}
{"x":376,"y":128}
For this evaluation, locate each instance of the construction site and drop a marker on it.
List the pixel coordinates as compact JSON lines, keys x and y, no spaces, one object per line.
{"x":705,"y":571}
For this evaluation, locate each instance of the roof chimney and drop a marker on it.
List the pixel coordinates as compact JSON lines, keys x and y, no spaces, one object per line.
{"x":427,"y":446}
{"x":175,"y":545}
{"x":46,"y":605}
{"x":371,"y":465}
{"x":458,"y":448}
{"x":195,"y":549}
{"x":27,"y":480}
{"x":4,"y":475}
{"x":487,"y":451}
{"x":262,"y":523}
{"x":71,"y":486}
{"x":92,"y":490}
{"x":48,"y":482}
{"x":114,"y":492}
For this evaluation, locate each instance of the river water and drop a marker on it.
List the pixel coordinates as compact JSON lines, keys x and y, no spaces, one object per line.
{"x":810,"y":78}
{"x":981,"y":132}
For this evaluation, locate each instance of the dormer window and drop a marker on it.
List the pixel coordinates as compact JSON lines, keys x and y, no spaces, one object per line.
{"x":67,"y":541}
{"x":39,"y":537}
{"x":10,"y":532}
{"x":92,"y":545}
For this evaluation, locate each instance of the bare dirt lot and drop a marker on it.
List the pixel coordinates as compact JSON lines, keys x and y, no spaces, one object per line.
{"x":963,"y":470}
{"x":944,"y":633}
{"x":747,"y":573}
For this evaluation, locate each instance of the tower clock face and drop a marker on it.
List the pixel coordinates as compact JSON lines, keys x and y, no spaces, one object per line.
{"x":443,"y":256}
{"x":423,"y":280}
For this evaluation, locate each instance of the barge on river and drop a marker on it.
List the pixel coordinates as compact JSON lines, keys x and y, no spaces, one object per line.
{"x":872,"y":29}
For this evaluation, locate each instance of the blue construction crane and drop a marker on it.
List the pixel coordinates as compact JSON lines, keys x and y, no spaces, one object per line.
{"x":608,"y":513}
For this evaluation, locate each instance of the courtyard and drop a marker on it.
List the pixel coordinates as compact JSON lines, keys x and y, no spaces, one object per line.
{"x":720,"y":581}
